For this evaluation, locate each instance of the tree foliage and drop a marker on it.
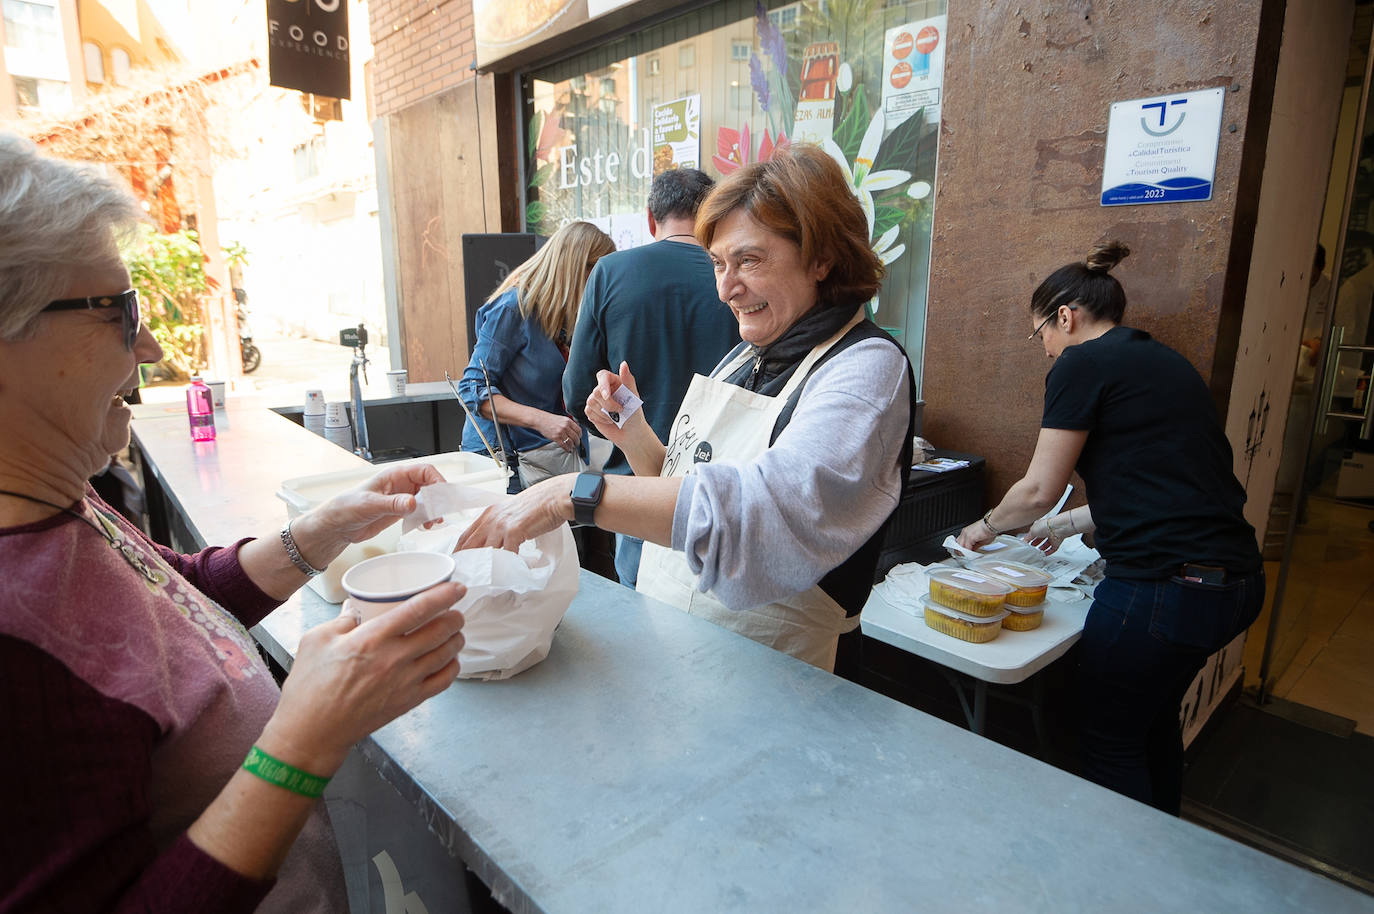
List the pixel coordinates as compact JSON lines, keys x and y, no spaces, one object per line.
{"x":169,"y":273}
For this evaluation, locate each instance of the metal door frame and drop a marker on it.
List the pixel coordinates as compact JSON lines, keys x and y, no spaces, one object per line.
{"x":1319,"y":411}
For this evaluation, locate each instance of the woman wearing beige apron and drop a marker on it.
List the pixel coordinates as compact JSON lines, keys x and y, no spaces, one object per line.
{"x":764,"y":511}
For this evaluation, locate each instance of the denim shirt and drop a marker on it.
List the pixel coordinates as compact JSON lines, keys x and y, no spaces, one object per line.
{"x":523,"y":365}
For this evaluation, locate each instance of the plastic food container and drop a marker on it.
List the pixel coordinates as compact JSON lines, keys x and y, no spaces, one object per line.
{"x":1028,"y":584}
{"x":977,"y":629}
{"x":1009,"y":548}
{"x":968,"y":591}
{"x":1023,"y":618}
{"x":305,"y":492}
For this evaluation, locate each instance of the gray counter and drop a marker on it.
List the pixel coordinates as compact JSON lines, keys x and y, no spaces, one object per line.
{"x":655,"y":762}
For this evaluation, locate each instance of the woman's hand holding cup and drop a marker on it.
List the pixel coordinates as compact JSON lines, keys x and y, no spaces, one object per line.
{"x":351,"y":677}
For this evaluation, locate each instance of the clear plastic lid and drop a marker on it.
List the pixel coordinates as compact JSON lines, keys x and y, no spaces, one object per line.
{"x":972,"y":581}
{"x":1026,"y":610}
{"x":1000,"y":543}
{"x":1022,"y":576}
{"x":1011,"y":548}
{"x":993,"y":619}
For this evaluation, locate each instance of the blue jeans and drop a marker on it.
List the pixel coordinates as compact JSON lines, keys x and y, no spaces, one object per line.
{"x":1143,"y":642}
{"x":627,"y":550}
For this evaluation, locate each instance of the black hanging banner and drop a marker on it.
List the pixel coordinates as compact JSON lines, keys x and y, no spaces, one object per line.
{"x":307,"y":44}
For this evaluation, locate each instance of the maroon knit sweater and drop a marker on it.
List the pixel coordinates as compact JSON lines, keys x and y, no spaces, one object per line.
{"x":121,"y":702}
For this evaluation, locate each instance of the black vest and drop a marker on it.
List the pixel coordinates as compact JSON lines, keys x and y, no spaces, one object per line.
{"x":850,"y":582}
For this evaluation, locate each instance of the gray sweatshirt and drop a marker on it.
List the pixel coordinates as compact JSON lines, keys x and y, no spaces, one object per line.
{"x":772,"y":527}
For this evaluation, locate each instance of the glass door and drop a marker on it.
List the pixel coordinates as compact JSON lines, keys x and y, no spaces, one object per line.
{"x":1321,"y":624}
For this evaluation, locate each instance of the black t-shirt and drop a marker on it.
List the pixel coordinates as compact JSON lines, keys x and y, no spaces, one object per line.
{"x":1156,"y":464}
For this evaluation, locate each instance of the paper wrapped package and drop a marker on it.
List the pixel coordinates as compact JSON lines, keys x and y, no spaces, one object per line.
{"x":514,"y":601}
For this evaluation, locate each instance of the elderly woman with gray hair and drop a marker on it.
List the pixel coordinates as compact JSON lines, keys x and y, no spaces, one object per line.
{"x":151,"y":762}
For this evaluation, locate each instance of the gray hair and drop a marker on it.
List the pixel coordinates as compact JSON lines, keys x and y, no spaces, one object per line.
{"x":678,"y":192}
{"x":53,"y":215}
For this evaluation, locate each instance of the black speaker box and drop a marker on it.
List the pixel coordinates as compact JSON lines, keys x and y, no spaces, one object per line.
{"x":487,"y":260}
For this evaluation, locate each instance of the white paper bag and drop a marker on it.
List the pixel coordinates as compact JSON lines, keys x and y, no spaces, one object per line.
{"x":514,"y":602}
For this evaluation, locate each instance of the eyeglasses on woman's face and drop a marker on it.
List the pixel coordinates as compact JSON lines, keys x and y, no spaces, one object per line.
{"x":127,"y":302}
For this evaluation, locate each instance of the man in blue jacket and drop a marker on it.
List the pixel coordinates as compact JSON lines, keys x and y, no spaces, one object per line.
{"x":655,"y":307}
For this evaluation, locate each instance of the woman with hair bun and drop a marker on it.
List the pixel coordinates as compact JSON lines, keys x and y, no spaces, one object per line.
{"x":1184,"y":574}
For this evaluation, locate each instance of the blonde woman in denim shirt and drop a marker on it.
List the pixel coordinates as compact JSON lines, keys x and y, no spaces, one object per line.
{"x":515,"y":373}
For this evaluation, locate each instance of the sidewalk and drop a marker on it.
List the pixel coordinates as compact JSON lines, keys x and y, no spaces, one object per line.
{"x":290,"y":367}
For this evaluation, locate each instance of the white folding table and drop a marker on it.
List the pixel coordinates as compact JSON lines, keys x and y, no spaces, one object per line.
{"x":1010,"y":658}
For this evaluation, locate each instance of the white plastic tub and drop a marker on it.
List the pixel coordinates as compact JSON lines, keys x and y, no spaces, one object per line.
{"x":305,"y":492}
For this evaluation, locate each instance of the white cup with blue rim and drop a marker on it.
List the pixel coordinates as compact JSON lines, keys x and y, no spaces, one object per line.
{"x":384,"y":582}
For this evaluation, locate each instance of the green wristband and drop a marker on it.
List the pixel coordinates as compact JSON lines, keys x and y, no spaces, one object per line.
{"x":288,"y":777}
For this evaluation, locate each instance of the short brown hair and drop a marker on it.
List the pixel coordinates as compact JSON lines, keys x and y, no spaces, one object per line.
{"x":802,"y":194}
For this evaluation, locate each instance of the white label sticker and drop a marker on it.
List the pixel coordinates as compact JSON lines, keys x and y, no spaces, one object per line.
{"x":964,"y":575}
{"x":629,"y":404}
{"x":1009,"y":572}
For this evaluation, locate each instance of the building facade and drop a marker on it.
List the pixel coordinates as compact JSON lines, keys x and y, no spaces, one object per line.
{"x":975,"y":135}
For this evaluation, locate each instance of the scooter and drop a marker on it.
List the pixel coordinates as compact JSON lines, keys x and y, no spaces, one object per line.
{"x":250,"y":354}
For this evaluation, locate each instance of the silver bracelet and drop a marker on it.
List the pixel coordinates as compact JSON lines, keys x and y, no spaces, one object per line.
{"x":293,"y":552}
{"x":987,"y":523}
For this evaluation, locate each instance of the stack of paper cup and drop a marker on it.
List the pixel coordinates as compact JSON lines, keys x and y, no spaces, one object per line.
{"x":396,"y":382}
{"x":216,"y":393}
{"x":314,"y":411}
{"x":336,"y":425}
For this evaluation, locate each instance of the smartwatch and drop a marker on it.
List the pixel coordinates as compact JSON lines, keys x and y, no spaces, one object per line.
{"x":586,"y":495}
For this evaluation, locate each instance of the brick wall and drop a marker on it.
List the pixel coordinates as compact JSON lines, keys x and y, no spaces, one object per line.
{"x":420,"y":48}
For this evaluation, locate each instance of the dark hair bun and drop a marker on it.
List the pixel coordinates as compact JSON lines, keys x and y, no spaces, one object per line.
{"x":1105,"y":256}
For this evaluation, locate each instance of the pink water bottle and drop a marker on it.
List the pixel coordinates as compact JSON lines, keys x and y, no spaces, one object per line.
{"x":200,"y":409}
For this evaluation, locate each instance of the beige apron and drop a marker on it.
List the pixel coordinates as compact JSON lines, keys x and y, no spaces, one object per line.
{"x":720,"y":421}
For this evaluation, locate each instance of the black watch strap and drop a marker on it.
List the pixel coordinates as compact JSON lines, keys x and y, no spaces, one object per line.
{"x":586,"y":495}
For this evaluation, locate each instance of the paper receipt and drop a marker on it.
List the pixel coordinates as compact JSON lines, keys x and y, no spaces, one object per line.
{"x":629,"y":404}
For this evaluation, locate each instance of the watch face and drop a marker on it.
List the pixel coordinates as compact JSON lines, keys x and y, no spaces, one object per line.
{"x":588,"y":487}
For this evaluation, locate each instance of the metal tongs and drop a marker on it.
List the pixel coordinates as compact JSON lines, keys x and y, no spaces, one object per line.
{"x":497,"y":453}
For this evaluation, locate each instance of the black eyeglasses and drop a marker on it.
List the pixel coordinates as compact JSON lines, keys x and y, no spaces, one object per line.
{"x":1048,"y":317}
{"x":127,"y":302}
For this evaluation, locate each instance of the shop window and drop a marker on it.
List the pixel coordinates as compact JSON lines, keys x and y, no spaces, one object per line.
{"x":120,"y":64}
{"x":95,"y":62}
{"x":867,"y":94}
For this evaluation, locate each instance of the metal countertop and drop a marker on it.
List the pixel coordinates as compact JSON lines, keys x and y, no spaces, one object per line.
{"x":655,"y":762}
